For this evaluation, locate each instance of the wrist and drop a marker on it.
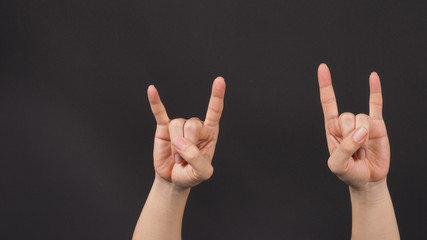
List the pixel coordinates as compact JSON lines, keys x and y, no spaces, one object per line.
{"x":168,"y":187}
{"x":370,"y":194}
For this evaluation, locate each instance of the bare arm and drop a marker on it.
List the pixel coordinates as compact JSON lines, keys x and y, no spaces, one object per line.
{"x":183,"y":152}
{"x":360,"y":157}
{"x":161,"y":217}
{"x":373,"y":213}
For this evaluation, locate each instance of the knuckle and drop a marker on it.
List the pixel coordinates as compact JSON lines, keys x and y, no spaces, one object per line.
{"x":196,"y":119}
{"x":215,"y":109}
{"x":346,"y":116}
{"x":207,"y":173}
{"x":191,"y":125}
{"x":176,"y":123}
{"x":328,"y":100}
{"x":347,"y":147}
{"x":334,"y":167}
{"x":362,"y":116}
{"x":377,"y":103}
{"x":191,"y":158}
{"x":331,"y":165}
{"x":363,"y":120}
{"x":191,"y":155}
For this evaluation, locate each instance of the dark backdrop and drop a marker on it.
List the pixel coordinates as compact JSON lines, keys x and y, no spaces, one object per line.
{"x":77,"y":131}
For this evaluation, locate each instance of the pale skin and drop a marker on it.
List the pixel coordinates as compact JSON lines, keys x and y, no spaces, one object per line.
{"x":183,"y":152}
{"x":359,"y":148}
{"x":360,"y":156}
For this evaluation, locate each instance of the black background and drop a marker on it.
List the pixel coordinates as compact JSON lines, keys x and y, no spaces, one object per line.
{"x":77,"y":131}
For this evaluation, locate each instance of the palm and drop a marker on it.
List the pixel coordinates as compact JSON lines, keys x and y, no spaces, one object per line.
{"x":374,"y":166}
{"x":204,"y":137}
{"x":165,"y":165}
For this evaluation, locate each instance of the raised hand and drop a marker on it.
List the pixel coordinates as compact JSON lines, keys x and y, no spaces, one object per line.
{"x":183,"y":149}
{"x":359,"y":146}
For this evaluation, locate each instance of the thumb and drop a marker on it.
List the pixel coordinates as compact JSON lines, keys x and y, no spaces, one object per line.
{"x":338,"y":160}
{"x":203,"y":169}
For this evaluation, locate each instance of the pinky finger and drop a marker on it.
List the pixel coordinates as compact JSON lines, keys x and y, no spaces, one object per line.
{"x":375,"y":97}
{"x":216,"y":102}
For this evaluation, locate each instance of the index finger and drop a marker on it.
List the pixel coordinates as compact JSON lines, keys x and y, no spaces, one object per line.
{"x":157,"y":107}
{"x":216,"y":103}
{"x":327,"y":95}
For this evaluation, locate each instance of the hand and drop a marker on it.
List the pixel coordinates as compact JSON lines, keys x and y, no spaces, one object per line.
{"x":359,"y":146}
{"x":183,"y":149}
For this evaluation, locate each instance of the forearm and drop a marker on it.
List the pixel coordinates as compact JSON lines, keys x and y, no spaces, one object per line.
{"x":373,"y":213}
{"x":161,"y":217}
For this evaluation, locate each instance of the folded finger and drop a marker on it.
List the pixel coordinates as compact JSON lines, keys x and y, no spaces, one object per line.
{"x":346,"y":122}
{"x":190,"y":153}
{"x":192,"y":128}
{"x":362,"y":120}
{"x":176,"y":129}
{"x":338,"y":161}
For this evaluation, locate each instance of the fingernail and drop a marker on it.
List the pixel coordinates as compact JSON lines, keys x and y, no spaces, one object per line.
{"x":179,"y":143}
{"x":360,"y":134}
{"x":362,"y":154}
{"x":178,"y":158}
